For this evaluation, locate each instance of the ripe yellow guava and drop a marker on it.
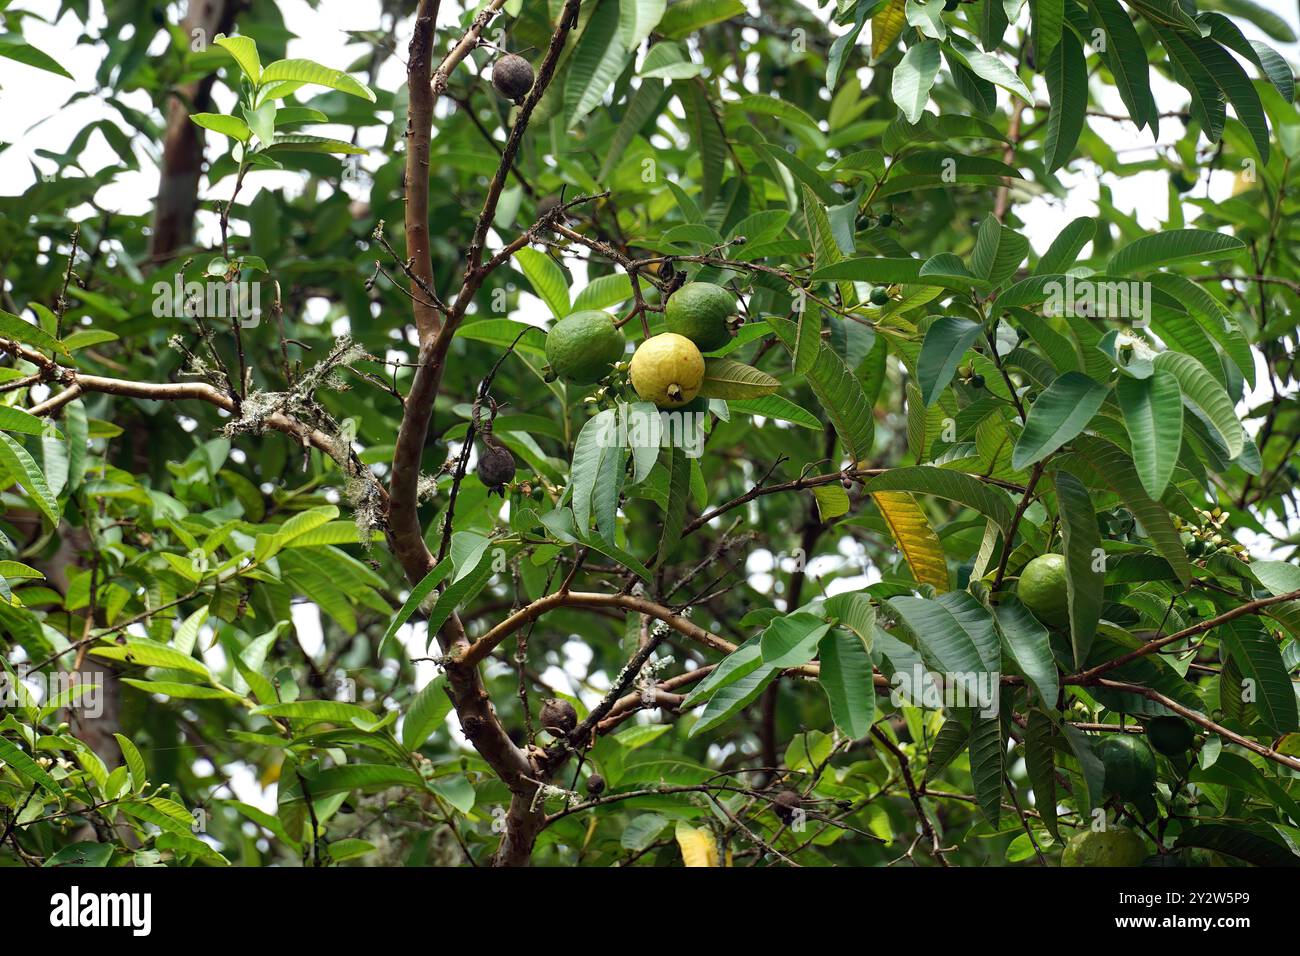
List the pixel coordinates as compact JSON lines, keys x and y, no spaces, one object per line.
{"x":667,"y":370}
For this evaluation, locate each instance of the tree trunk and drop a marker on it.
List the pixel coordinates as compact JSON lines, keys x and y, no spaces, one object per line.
{"x":182,"y":162}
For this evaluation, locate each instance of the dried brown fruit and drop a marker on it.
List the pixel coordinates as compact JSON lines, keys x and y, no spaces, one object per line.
{"x":558,"y":717}
{"x":512,"y":75}
{"x":496,"y":468}
{"x":785,"y":804}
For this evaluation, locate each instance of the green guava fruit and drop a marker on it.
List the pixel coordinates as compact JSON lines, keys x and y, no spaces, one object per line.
{"x":1114,"y":846}
{"x":703,"y":312}
{"x":880,"y":296}
{"x":582,"y":348}
{"x":1130,"y":766}
{"x":667,"y":370}
{"x":1042,"y":589}
{"x":1170,"y":735}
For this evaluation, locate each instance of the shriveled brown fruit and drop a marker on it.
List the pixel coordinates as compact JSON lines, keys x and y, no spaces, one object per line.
{"x":496,"y":468}
{"x":595,"y":785}
{"x":558,"y":717}
{"x":785,"y":804}
{"x":512,"y":75}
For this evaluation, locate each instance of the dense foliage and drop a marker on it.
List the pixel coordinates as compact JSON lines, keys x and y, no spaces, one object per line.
{"x":811,"y":633}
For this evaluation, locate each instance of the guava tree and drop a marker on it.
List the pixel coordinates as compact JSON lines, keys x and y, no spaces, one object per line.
{"x":678,"y":386}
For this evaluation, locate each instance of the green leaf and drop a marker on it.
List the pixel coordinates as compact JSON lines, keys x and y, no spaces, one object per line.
{"x":728,"y":379}
{"x":1244,"y":844}
{"x":603,"y":292}
{"x":832,"y":502}
{"x":1126,"y":57}
{"x":316,"y":711}
{"x":991,"y":68}
{"x":354,"y":776}
{"x":1048,"y":18}
{"x":1153,"y":415}
{"x":179,"y":690}
{"x":305,"y":71}
{"x":305,"y":143}
{"x":456,"y":790}
{"x":640,"y":110}
{"x":987,"y":749}
{"x":13,"y":327}
{"x":704,"y":129}
{"x":1065,"y":248}
{"x":846,"y":677}
{"x":954,"y":631}
{"x":874,"y":269}
{"x":134,"y":762}
{"x":1090,"y":765}
{"x":679,"y":490}
{"x":596,"y":471}
{"x":1067,"y":88}
{"x":913,"y":78}
{"x":1040,"y":762}
{"x":1062,"y":411}
{"x":1111,"y":468}
{"x":792,"y":640}
{"x":949,"y":484}
{"x":14,"y":47}
{"x":426,"y":713}
{"x":998,"y":251}
{"x":855,"y":611}
{"x":18,"y":761}
{"x":838,"y":391}
{"x":413,"y":602}
{"x":1175,"y":245}
{"x":147,"y":653}
{"x":16,"y":420}
{"x":782,"y":409}
{"x":1203,"y":394}
{"x":946,"y":341}
{"x":231,"y":126}
{"x":1027,"y":642}
{"x":686,"y":16}
{"x":1259,"y":659}
{"x":732,"y":699}
{"x":741,"y":662}
{"x":1237,"y":87}
{"x":20,"y":466}
{"x":244,"y":52}
{"x":950,"y":741}
{"x":1081,"y":541}
{"x":637,"y":20}
{"x":595,"y":64}
{"x":546,"y":278}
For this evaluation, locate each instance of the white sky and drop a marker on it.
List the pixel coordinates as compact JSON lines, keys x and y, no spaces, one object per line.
{"x":36,"y":118}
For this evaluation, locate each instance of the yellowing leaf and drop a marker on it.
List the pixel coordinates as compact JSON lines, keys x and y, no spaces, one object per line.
{"x":914,"y":536}
{"x":886,"y":26}
{"x":699,"y":848}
